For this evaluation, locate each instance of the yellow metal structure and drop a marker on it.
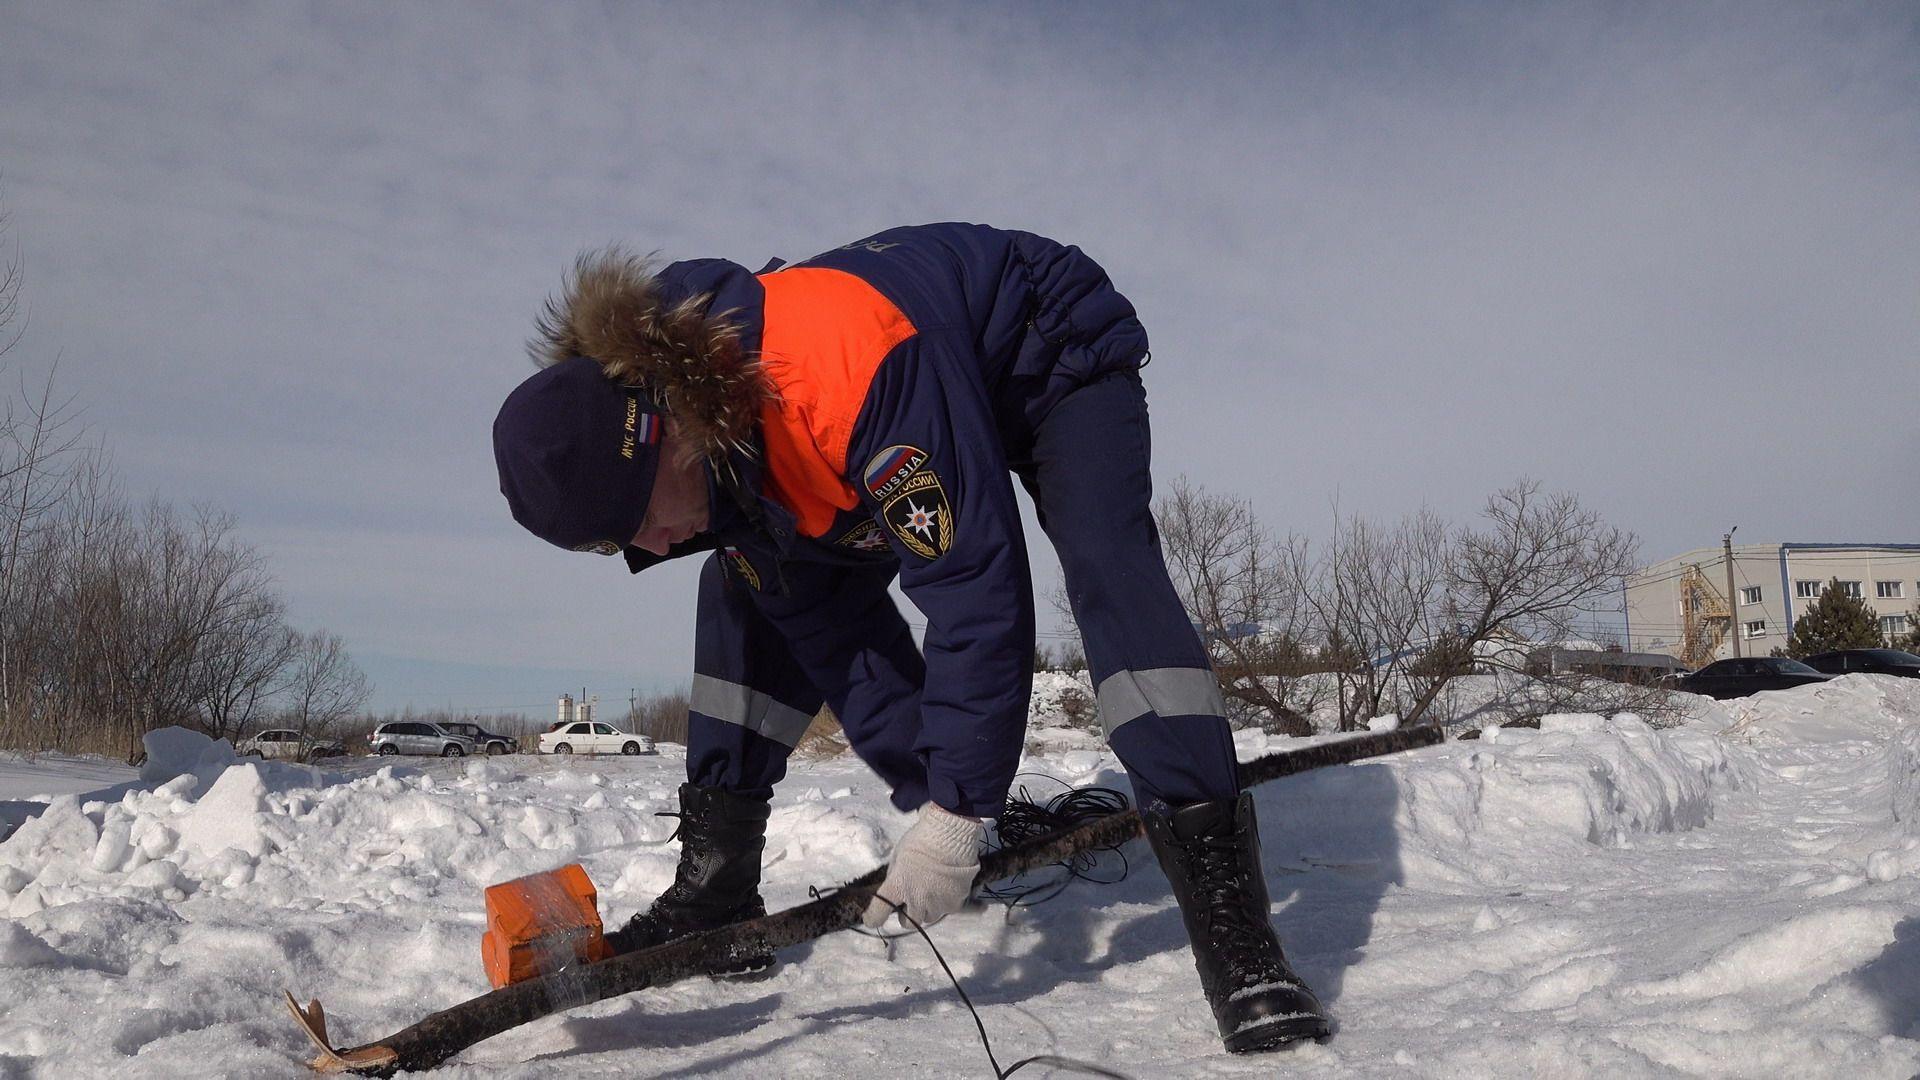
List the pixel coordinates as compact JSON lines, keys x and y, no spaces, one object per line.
{"x":1704,"y":617}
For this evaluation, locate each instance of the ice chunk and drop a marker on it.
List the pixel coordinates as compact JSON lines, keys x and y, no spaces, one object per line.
{"x":162,"y":876}
{"x":228,"y":815}
{"x":1573,"y":722}
{"x":20,"y":948}
{"x":60,"y":828}
{"x":116,"y":843}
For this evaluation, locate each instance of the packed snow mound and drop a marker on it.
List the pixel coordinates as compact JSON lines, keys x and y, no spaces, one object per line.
{"x":1851,"y":707}
{"x":1052,"y":692}
{"x":1592,"y":898}
{"x":1061,"y":714}
{"x":172,"y":751}
{"x":1906,"y":777}
{"x":1468,"y":811}
{"x":275,"y":834}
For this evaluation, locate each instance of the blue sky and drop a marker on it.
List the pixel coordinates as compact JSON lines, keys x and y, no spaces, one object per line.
{"x":1388,"y":255}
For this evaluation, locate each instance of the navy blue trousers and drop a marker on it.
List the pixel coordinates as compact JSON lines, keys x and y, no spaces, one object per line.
{"x":1086,"y":467}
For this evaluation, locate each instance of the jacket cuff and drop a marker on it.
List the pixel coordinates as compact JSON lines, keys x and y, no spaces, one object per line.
{"x":948,"y":796}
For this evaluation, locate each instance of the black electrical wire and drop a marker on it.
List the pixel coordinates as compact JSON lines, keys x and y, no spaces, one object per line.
{"x":999,"y":1073}
{"x":1026,"y":819}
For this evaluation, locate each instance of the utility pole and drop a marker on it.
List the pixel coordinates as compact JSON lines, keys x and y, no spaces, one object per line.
{"x":1733,"y":601}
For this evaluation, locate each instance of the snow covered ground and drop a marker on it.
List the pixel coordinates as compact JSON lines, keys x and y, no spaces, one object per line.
{"x":1737,"y":896}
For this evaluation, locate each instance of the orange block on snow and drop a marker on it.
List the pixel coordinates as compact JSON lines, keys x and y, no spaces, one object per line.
{"x":540,"y":923}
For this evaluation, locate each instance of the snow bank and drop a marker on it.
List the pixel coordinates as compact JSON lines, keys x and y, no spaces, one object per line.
{"x":1906,"y":776}
{"x":1061,"y":715}
{"x":272,"y":834}
{"x":1596,"y":897}
{"x":1850,"y":708}
{"x":1478,"y":811}
{"x":1054,"y":692}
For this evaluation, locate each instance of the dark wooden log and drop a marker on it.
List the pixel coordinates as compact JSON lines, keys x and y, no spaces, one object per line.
{"x":453,"y":1029}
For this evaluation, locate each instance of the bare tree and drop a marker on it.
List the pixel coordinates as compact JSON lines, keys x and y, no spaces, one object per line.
{"x":12,"y":278}
{"x":1234,"y":578}
{"x":115,"y":621}
{"x":1390,"y":614}
{"x":247,"y":663}
{"x":150,"y":602}
{"x":325,"y":687}
{"x":1540,"y":561}
{"x":39,"y":440}
{"x":1373,"y":592}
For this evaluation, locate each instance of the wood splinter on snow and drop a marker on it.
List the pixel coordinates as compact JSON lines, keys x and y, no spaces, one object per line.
{"x":313,"y":1021}
{"x":440,"y":1036}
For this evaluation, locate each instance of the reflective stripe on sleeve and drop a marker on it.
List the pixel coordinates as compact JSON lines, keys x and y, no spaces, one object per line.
{"x":1128,"y":695}
{"x":732,"y":703}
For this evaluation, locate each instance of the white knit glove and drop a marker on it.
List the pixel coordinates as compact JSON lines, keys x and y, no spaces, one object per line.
{"x":932,"y":869}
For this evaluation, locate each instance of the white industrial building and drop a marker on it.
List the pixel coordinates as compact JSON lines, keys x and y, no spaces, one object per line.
{"x":1680,"y":606}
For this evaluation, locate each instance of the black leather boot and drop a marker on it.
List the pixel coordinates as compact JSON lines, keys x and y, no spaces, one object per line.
{"x":1211,"y":854}
{"x":722,"y":836}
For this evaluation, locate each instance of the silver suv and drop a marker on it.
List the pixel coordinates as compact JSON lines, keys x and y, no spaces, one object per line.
{"x":418,"y":737}
{"x":286,"y":745}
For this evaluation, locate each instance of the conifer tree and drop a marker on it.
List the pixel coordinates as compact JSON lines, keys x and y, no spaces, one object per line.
{"x":1835,"y":621}
{"x":1911,"y":642}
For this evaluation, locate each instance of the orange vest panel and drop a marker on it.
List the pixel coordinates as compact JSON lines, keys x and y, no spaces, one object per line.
{"x":824,"y":335}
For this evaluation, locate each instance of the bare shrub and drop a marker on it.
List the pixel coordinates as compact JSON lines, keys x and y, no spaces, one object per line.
{"x":824,"y":737}
{"x":1079,"y":709}
{"x":1385,"y":616}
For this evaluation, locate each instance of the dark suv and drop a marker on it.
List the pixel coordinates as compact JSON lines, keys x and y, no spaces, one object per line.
{"x":493,"y":744}
{"x":1748,"y":675}
{"x":1866,"y":661}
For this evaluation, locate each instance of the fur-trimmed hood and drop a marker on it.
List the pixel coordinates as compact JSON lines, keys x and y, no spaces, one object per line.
{"x":688,"y":333}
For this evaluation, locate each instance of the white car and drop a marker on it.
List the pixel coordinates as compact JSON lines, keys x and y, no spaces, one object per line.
{"x":592,"y":737}
{"x":283,"y":745}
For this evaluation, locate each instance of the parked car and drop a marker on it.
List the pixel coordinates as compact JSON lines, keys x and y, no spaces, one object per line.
{"x":1867,"y":661}
{"x":592,"y":737}
{"x":419,"y":737}
{"x":489,"y":742}
{"x":281,"y":744}
{"x":1748,"y":675}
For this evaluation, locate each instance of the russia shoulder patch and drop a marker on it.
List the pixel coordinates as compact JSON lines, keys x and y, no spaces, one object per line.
{"x":889,"y":469}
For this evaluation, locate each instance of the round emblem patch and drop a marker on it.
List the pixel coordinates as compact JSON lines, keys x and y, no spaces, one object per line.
{"x":917,"y":513}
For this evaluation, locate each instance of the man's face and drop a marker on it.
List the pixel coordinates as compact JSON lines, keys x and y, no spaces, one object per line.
{"x":678,"y":508}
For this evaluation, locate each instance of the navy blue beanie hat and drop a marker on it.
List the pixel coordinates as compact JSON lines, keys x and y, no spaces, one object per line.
{"x":578,"y":454}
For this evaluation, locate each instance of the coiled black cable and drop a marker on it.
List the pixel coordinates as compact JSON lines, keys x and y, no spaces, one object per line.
{"x":1026,"y":819}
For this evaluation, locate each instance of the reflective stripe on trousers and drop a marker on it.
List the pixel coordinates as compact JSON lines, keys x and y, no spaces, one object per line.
{"x":1128,"y":695}
{"x":732,"y":703}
